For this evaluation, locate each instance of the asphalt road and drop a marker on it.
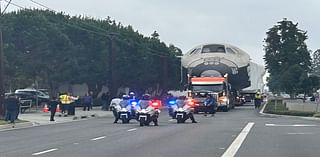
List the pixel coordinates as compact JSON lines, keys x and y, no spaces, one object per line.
{"x":240,"y":132}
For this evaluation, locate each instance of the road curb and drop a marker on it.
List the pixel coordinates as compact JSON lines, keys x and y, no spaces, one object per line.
{"x":15,"y":126}
{"x":261,"y":112}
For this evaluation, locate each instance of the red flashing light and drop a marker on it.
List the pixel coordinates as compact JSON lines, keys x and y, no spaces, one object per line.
{"x":191,"y":103}
{"x":156,"y":103}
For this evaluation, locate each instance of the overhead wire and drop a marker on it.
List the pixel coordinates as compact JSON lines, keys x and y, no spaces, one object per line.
{"x":14,"y":4}
{"x":101,"y":32}
{"x":107,"y":33}
{"x":6,"y":7}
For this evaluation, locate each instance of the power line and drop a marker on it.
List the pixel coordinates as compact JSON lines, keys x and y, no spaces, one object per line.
{"x":102,"y":31}
{"x":6,"y":7}
{"x":40,"y":4}
{"x":14,"y":4}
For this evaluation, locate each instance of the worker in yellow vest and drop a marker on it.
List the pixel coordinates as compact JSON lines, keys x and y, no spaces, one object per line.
{"x":257,"y":100}
{"x":65,"y":101}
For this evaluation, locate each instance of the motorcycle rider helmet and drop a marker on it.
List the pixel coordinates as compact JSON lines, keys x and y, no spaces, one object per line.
{"x":125,"y":97}
{"x":132,"y":95}
{"x":146,"y":97}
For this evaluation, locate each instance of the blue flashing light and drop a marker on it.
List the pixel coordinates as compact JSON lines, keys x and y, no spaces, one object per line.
{"x":134,"y":103}
{"x":172,"y":102}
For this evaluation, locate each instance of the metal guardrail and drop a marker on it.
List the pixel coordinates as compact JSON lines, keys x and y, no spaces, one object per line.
{"x":25,"y":105}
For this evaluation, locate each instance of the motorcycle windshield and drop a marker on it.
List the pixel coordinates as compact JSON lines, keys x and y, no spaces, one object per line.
{"x":144,"y":104}
{"x":180,"y":103}
{"x":124,"y":104}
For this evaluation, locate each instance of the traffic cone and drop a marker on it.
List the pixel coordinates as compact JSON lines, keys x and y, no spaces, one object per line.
{"x":58,"y":109}
{"x":45,"y":108}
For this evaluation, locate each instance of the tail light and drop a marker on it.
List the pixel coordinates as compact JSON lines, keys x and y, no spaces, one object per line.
{"x":191,"y":103}
{"x":156,"y":103}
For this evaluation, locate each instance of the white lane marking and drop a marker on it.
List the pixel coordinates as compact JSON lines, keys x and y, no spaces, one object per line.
{"x":300,"y":133}
{"x":46,"y":151}
{"x":133,"y":129}
{"x":294,"y":125}
{"x":171,"y":120}
{"x":98,"y":138}
{"x":75,"y":143}
{"x":263,"y":108}
{"x":234,"y":147}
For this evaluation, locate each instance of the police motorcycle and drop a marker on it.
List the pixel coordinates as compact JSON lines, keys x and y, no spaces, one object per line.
{"x":182,"y":109}
{"x":123,"y":110}
{"x":148,"y":111}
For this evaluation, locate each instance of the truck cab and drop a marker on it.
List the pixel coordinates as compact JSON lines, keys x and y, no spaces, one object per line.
{"x":218,"y":87}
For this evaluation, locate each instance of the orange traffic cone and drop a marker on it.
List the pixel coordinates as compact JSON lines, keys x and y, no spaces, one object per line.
{"x":45,"y":108}
{"x":58,"y":109}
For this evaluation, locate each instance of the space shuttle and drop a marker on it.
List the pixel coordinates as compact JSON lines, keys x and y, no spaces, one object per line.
{"x":217,"y":60}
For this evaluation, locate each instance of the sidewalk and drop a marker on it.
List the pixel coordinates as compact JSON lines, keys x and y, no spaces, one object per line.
{"x":37,"y":118}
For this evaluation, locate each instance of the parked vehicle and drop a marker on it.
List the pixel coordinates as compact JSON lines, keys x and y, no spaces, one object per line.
{"x":38,"y":95}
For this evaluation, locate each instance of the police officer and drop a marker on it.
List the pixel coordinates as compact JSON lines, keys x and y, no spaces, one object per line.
{"x":53,"y":103}
{"x":211,"y":103}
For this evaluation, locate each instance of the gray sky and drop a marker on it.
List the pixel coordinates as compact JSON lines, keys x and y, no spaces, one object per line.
{"x":187,"y":23}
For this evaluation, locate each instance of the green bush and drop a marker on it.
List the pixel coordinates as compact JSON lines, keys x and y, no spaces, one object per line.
{"x":317,"y":115}
{"x":272,"y":107}
{"x":281,"y":109}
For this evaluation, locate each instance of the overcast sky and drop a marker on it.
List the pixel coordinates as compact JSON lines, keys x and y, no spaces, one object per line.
{"x":187,"y":23}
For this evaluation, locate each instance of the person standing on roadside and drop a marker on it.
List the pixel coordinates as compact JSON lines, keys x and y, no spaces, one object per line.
{"x":12,"y":106}
{"x":104,"y":100}
{"x":53,"y":103}
{"x":87,"y":102}
{"x":257,"y":100}
{"x":65,"y":101}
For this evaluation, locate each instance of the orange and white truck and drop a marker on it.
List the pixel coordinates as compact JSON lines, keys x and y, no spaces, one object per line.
{"x":200,"y":87}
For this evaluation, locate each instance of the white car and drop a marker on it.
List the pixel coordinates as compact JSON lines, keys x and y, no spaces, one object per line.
{"x":38,"y":94}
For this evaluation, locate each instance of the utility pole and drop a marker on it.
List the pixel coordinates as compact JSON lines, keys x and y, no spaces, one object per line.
{"x":1,"y":74}
{"x":112,"y":79}
{"x":1,"y":69}
{"x":165,"y":73}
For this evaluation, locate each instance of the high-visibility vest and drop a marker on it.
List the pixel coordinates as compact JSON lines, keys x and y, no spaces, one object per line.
{"x":258,"y":96}
{"x":65,"y":99}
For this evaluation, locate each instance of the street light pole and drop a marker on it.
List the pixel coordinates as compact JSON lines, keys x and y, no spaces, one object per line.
{"x":181,"y":71}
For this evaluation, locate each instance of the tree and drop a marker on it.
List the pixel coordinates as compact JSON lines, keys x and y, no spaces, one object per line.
{"x":316,"y":63}
{"x":286,"y":52}
{"x":53,"y":48}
